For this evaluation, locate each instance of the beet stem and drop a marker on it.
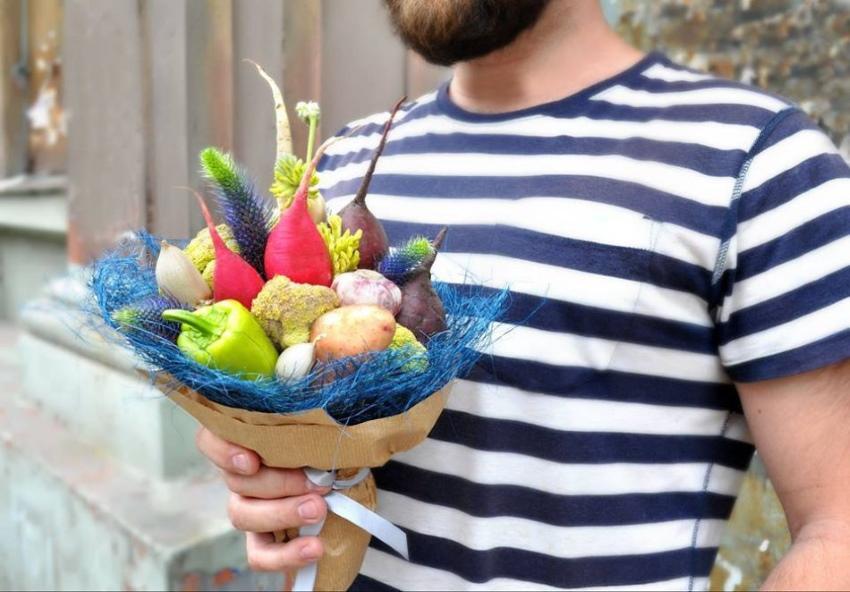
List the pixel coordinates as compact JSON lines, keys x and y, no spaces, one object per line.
{"x":428,"y":262}
{"x":304,"y":186}
{"x":360,"y":198}
{"x":218,"y":242}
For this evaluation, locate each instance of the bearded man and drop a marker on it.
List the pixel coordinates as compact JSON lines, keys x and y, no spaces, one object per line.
{"x":683,"y":243}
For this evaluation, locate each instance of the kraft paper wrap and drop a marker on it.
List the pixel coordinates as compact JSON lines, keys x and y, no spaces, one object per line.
{"x":314,"y":439}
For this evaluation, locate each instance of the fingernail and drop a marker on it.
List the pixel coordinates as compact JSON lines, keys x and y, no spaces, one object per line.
{"x":309,"y":552}
{"x":308,"y":510}
{"x":242,"y":463}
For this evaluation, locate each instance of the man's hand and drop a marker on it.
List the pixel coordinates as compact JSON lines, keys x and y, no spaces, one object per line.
{"x":264,"y":500}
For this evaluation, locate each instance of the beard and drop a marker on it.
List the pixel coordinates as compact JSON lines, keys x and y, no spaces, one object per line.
{"x":445,"y":32}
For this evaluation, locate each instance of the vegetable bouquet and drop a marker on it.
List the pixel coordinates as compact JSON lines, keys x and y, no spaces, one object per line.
{"x":300,"y":334}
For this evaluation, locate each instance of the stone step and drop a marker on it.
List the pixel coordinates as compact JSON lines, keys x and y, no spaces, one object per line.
{"x":78,"y":373}
{"x":74,"y":518}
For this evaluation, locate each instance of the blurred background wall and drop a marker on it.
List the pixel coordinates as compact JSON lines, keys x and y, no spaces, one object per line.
{"x":104,"y":105}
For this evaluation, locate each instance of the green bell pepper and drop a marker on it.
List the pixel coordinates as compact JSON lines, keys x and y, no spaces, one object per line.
{"x":225,"y":336}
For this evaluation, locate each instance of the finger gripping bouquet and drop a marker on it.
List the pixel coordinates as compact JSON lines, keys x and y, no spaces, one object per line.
{"x":301,"y":335}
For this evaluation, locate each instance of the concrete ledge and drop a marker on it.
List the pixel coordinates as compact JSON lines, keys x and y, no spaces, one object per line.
{"x":92,"y":385}
{"x":33,"y":233}
{"x":63,"y":322}
{"x":34,"y":204}
{"x":72,"y":518}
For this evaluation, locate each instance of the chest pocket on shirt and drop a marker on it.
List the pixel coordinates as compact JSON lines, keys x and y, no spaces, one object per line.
{"x":574,"y":295}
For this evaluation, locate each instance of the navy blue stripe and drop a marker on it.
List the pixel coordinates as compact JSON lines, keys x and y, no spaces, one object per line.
{"x":786,"y":186}
{"x":499,"y":435}
{"x":794,"y":121}
{"x":550,"y":314}
{"x":669,"y":272}
{"x":366,"y":584}
{"x":787,"y":307}
{"x":487,"y":501}
{"x":731,"y":114}
{"x":709,"y":161}
{"x":661,"y":87}
{"x":567,"y":317}
{"x":655,"y":204}
{"x":806,"y":237}
{"x":528,"y":566}
{"x":607,"y":385}
{"x":639,"y":265}
{"x":829,"y":350}
{"x":413,"y":112}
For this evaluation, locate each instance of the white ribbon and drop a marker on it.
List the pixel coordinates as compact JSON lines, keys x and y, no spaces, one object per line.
{"x":356,"y":513}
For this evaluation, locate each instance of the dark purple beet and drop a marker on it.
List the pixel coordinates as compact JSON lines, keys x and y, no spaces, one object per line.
{"x":374,"y":243}
{"x":421,"y":309}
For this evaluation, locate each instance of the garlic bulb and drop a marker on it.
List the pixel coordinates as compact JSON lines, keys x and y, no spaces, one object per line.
{"x":296,"y":361}
{"x":177,"y":277}
{"x":365,"y":286}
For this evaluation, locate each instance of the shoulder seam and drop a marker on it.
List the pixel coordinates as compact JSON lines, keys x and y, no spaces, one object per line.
{"x":730,"y":222}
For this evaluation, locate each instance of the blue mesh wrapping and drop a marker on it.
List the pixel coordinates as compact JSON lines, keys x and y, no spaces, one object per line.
{"x":351,"y":391}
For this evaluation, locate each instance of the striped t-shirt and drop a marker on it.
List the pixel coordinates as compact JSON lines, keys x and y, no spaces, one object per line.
{"x":670,"y":232}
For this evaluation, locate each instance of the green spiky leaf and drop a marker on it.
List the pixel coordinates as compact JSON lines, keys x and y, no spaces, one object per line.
{"x":287,"y":177}
{"x":343,"y":246}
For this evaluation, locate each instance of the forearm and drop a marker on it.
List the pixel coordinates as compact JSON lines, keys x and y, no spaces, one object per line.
{"x":819,"y":559}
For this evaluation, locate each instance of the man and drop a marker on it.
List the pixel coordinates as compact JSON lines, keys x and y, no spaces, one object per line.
{"x":682,"y":242}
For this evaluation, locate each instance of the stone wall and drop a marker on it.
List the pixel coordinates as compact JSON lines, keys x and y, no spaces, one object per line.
{"x":796,"y":48}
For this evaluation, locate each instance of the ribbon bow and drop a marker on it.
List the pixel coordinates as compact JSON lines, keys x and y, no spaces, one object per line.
{"x":356,"y":513}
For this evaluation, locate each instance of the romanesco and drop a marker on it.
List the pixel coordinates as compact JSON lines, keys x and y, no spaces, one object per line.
{"x":286,"y":310}
{"x":209,"y":274}
{"x":200,"y":249}
{"x":405,"y":339}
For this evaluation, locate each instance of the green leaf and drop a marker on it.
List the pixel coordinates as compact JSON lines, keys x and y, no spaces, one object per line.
{"x":287,"y":178}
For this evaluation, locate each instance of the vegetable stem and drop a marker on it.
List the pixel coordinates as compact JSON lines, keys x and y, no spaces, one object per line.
{"x":428,"y":262}
{"x":360,"y":197}
{"x":187,"y":318}
{"x":311,"y":137}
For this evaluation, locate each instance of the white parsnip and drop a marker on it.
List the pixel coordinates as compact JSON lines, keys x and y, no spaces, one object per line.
{"x":284,"y":134}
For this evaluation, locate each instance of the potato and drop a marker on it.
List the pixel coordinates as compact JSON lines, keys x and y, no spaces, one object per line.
{"x":352,"y":330}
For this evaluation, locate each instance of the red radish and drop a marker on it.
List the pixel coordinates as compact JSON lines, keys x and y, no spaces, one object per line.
{"x":374,"y":243}
{"x":295,"y":248}
{"x":234,"y":278}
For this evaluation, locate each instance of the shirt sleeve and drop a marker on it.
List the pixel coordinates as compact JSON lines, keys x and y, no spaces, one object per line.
{"x":784,"y":303}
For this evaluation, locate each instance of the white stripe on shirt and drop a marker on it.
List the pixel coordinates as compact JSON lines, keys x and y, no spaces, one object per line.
{"x":622,"y":95}
{"x":675,"y":180}
{"x":507,"y":468}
